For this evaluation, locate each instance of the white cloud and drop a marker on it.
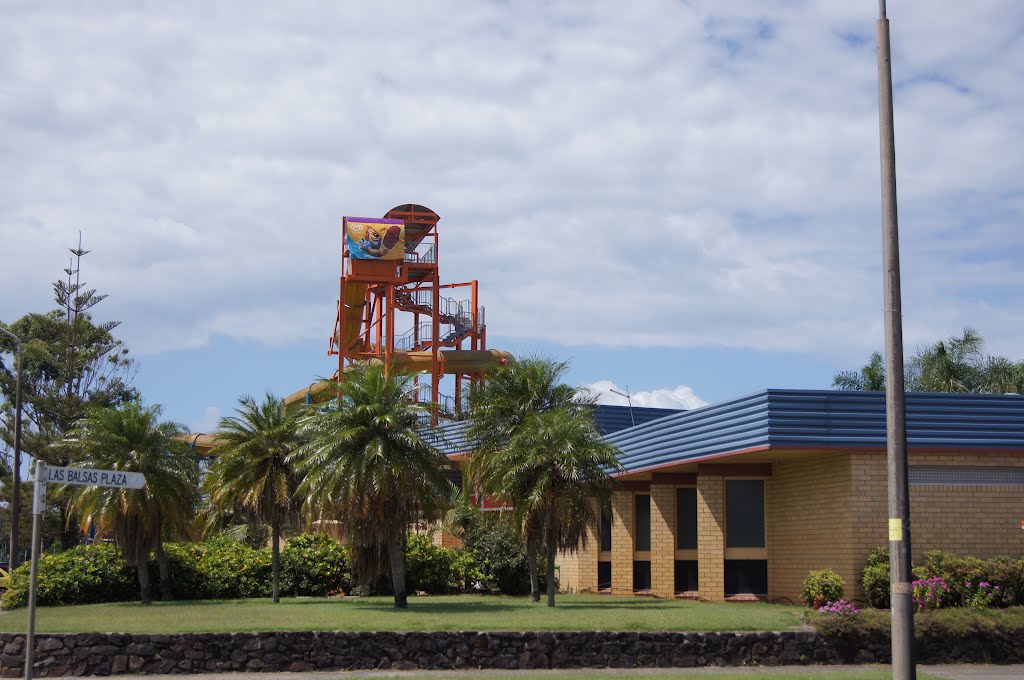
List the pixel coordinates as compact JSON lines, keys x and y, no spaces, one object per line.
{"x":651,"y":173}
{"x":209,"y":420}
{"x":680,"y":397}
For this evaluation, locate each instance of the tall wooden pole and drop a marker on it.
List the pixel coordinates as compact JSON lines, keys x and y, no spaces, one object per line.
{"x":903,"y":667}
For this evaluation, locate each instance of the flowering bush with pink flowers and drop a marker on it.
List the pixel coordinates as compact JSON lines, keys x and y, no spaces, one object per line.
{"x":970,"y":582}
{"x":839,"y":608}
{"x":929,"y":592}
{"x":983,"y":594}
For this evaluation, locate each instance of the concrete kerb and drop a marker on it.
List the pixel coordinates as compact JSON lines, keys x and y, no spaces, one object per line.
{"x":966,"y":671}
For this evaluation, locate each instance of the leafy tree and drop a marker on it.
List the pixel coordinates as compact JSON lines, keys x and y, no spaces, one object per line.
{"x":72,"y":365}
{"x":512,"y":394}
{"x":554,"y":467}
{"x":365,"y":463}
{"x":132,"y":438}
{"x":252,"y":472}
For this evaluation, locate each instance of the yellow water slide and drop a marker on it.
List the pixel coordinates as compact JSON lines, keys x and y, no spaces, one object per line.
{"x":355,"y":299}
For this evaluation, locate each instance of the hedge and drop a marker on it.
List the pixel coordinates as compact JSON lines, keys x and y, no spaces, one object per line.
{"x":84,"y":575}
{"x":963,"y":576}
{"x":314,"y":565}
{"x":221,"y":568}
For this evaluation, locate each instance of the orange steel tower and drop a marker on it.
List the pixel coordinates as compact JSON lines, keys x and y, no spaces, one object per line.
{"x":391,"y":307}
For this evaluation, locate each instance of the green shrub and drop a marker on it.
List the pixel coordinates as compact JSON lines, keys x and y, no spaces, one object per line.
{"x":868,"y":622}
{"x":436,"y":570}
{"x":875,"y":578}
{"x":187,"y":581}
{"x":83,"y":575}
{"x":956,"y":571}
{"x":500,"y":557}
{"x":314,"y":565}
{"x":1008,"y":574}
{"x":823,"y":586}
{"x":969,"y":581}
{"x":230,"y":569}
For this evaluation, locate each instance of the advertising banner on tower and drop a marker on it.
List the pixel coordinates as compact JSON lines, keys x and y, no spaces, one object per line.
{"x":368,"y":238}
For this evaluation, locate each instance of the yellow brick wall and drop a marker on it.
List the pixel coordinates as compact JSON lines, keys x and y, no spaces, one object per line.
{"x":622,"y":543}
{"x":809,"y":522}
{"x":567,"y":567}
{"x":711,"y":537}
{"x":577,"y":572}
{"x":663,"y":540}
{"x":831,"y":511}
{"x":983,"y":521}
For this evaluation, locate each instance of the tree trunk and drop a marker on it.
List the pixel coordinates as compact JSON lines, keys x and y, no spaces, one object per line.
{"x":166,"y":594}
{"x":69,"y":531}
{"x":531,"y":560}
{"x":145,"y":592}
{"x":397,"y":572}
{"x":275,"y":542}
{"x":551,"y":573}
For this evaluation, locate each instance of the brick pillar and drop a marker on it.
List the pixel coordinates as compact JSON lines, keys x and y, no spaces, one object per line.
{"x":622,"y":543}
{"x":711,"y":537}
{"x":587,"y":557}
{"x":663,"y":540}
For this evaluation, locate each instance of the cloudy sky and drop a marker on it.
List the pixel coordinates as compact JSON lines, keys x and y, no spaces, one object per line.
{"x":680,"y":197}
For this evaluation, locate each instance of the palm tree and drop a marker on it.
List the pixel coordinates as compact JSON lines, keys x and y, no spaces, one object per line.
{"x":512,"y":394}
{"x":365,"y":462}
{"x":554,"y":467}
{"x":953,"y":365}
{"x":252,"y":472}
{"x":1002,"y":376}
{"x":869,"y":378}
{"x":133,"y":439}
{"x":957,"y":364}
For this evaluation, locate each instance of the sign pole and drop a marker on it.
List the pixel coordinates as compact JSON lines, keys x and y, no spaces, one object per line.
{"x":62,"y":475}
{"x":38,"y":503}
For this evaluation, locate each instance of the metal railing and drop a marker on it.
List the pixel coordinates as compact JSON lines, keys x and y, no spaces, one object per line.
{"x":424,"y":254}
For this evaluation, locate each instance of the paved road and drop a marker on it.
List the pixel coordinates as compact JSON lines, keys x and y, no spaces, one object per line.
{"x":966,"y":671}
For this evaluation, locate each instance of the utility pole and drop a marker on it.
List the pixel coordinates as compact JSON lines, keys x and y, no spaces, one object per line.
{"x":16,"y":464}
{"x":903,"y":666}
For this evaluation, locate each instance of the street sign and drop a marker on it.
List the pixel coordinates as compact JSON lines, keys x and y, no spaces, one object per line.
{"x":47,"y":474}
{"x":84,"y":477}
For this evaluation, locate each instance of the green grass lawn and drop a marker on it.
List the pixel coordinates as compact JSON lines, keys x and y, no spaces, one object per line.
{"x":432,"y":613}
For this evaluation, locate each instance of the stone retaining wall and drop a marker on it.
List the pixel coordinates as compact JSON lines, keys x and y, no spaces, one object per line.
{"x":110,"y":654}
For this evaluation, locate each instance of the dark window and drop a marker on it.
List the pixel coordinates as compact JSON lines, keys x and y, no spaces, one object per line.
{"x":606,"y":529}
{"x":744,"y":513}
{"x":686,"y":575}
{"x":642,"y":575}
{"x":642,"y":534}
{"x":604,"y":575}
{"x":455,"y":477}
{"x":686,"y":519}
{"x":746,"y":576}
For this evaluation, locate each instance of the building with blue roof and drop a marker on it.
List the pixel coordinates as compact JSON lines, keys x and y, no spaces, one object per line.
{"x":745,"y":497}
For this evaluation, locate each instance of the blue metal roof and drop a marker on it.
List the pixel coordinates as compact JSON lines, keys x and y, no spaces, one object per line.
{"x":822,"y":419}
{"x":450,"y":438}
{"x":609,"y":419}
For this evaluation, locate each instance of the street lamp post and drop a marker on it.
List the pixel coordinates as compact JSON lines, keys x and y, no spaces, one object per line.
{"x":16,"y":471}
